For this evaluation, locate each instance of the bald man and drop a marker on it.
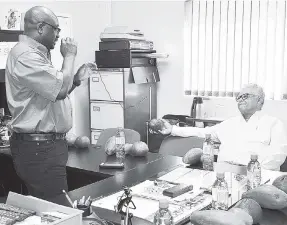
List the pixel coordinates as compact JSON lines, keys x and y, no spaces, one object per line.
{"x":38,"y":99}
{"x":252,"y":132}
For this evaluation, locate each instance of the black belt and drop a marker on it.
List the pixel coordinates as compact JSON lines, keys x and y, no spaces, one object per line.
{"x":38,"y":137}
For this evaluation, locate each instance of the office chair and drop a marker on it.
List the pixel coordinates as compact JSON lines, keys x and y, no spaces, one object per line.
{"x":178,"y":146}
{"x":283,"y":167}
{"x":131,"y":136}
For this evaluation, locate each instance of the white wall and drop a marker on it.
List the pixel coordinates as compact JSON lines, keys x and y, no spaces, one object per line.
{"x":161,"y":22}
{"x":88,"y":20}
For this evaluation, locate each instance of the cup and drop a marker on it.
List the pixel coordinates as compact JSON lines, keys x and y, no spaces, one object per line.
{"x":87,"y":210}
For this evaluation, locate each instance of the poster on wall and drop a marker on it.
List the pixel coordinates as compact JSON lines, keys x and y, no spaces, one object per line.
{"x":12,"y":20}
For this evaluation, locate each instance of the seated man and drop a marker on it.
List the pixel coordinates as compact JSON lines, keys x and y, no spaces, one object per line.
{"x":253,"y":132}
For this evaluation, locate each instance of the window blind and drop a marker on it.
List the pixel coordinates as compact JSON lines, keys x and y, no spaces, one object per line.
{"x":229,"y":43}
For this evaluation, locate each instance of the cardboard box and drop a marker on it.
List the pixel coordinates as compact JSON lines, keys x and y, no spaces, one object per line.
{"x":38,"y":205}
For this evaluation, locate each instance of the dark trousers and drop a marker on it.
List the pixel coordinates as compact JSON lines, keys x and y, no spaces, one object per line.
{"x":41,"y":165}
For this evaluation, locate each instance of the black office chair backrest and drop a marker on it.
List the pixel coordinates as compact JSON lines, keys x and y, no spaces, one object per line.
{"x":283,"y":167}
{"x":178,"y":146}
{"x":131,"y":136}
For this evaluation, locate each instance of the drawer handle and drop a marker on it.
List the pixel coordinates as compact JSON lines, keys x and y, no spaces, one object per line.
{"x":96,"y":108}
{"x":95,"y":79}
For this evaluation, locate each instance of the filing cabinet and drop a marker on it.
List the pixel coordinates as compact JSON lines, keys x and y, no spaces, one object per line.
{"x":122,"y":97}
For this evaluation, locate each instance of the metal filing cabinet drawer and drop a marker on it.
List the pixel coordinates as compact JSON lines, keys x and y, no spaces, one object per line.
{"x":106,"y":115}
{"x":107,"y":86}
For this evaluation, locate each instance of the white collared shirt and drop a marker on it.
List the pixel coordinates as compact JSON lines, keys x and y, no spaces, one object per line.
{"x":32,"y":87}
{"x":261,"y":134}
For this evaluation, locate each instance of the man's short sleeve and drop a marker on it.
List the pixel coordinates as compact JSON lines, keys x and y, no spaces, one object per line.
{"x":36,"y":73}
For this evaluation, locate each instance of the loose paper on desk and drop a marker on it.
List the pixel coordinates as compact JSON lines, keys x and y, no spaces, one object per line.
{"x":173,"y":175}
{"x":198,"y":178}
{"x":147,"y":194}
{"x":5,"y":48}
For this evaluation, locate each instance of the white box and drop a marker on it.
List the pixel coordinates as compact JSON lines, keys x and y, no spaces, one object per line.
{"x":38,"y":205}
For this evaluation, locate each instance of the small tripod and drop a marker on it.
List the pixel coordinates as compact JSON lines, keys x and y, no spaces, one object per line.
{"x":124,"y":201}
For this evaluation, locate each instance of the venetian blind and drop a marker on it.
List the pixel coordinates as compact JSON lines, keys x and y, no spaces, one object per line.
{"x":232,"y":43}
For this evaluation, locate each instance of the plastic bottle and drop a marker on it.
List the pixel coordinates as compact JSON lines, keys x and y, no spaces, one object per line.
{"x":163,"y":216}
{"x":208,"y":156}
{"x":253,"y":173}
{"x":120,"y":144}
{"x":220,"y":193}
{"x":199,"y":110}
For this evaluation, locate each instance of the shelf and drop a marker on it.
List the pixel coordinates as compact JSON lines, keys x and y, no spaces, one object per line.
{"x":11,"y":31}
{"x":150,"y":55}
{"x":10,"y":35}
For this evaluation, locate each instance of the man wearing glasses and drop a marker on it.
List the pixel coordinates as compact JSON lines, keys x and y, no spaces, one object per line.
{"x":251,"y":132}
{"x":38,"y":99}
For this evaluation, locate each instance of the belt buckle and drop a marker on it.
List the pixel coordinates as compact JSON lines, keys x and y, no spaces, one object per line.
{"x":36,"y":138}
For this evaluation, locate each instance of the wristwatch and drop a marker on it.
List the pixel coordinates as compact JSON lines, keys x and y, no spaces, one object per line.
{"x":77,"y":83}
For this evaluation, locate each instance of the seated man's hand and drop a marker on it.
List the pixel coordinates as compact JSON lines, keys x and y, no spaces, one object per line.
{"x":159,"y":126}
{"x":166,"y":129}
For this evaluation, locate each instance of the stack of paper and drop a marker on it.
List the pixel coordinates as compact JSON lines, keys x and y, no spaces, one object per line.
{"x":198,"y":178}
{"x":120,"y":33}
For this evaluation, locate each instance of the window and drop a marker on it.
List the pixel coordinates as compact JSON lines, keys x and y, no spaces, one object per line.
{"x":232,"y":43}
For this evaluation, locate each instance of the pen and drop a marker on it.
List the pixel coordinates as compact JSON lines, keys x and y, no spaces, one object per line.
{"x":68,"y":198}
{"x":88,"y":202}
{"x":75,"y":204}
{"x":165,"y":181}
{"x":82,"y":201}
{"x":266,"y":181}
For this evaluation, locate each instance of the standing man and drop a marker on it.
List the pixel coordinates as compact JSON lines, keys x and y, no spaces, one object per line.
{"x":38,"y":99}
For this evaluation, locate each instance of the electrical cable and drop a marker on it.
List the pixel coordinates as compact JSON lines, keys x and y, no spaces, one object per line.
{"x":132,"y":106}
{"x":138,"y":103}
{"x":107,"y":89}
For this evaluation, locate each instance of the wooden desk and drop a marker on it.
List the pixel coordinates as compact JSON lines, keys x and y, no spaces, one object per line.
{"x":82,"y":168}
{"x":90,"y":158}
{"x":136,"y":171}
{"x":115,"y":183}
{"x":155,"y":167}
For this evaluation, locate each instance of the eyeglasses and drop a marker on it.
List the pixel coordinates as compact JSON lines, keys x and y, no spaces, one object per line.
{"x":244,"y":96}
{"x":57,"y":29}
